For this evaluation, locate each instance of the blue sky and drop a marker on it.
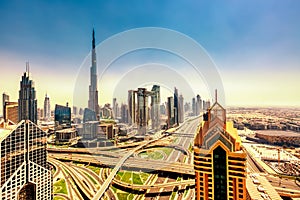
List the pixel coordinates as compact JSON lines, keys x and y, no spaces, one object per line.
{"x":255,"y":44}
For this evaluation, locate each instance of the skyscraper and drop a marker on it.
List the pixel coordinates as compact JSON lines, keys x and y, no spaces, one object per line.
{"x":198,"y":105}
{"x":176,"y":107}
{"x":11,"y":110}
{"x":47,"y":111}
{"x":24,"y":170}
{"x":219,"y":162}
{"x":180,"y":109}
{"x":155,"y":107}
{"x":124,"y":113}
{"x":131,"y":107}
{"x":170,"y":112}
{"x":27,"y":101}
{"x":194,"y":106}
{"x":93,"y":91}
{"x":116,"y":112}
{"x":142,"y":110}
{"x":62,"y":115}
{"x":5,"y":98}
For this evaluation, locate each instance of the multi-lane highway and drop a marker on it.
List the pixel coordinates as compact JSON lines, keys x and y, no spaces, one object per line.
{"x":117,"y":158}
{"x":183,"y":137}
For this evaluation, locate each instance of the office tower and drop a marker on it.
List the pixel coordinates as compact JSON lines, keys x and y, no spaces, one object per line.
{"x":131,"y":107}
{"x":80,"y":111}
{"x":219,"y":162}
{"x":5,"y":98}
{"x":11,"y":112}
{"x":24,"y":170}
{"x":115,"y":107}
{"x":62,"y":116}
{"x":75,"y":110}
{"x":106,"y":112}
{"x":124,"y":113}
{"x":176,"y":117}
{"x":187,"y":106}
{"x":163,"y":109}
{"x":155,"y":107}
{"x":170,"y":112}
{"x":198,"y":105}
{"x":180,"y":109}
{"x":47,"y":111}
{"x":142,"y":110}
{"x":93,"y":92}
{"x":194,"y":106}
{"x":27,"y":101}
{"x":40,"y":114}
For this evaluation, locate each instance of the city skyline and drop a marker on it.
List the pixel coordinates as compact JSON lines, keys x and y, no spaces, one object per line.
{"x":255,"y":51}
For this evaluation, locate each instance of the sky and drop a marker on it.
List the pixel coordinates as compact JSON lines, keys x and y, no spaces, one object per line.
{"x":254,"y":44}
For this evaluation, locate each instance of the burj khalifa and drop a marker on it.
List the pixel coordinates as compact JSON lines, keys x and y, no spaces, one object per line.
{"x":93,"y":91}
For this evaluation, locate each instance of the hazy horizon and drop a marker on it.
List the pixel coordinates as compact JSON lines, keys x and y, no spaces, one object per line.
{"x":254,"y":45}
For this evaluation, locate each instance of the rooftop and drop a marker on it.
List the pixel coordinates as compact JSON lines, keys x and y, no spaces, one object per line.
{"x":4,"y":132}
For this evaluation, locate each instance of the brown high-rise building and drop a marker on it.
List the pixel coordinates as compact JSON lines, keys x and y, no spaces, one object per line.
{"x":219,"y":162}
{"x":11,"y":112}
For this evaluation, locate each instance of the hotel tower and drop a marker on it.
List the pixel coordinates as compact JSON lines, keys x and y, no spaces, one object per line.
{"x":219,"y":162}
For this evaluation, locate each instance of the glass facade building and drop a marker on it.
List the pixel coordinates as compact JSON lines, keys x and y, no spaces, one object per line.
{"x":62,"y":115}
{"x":24,"y":170}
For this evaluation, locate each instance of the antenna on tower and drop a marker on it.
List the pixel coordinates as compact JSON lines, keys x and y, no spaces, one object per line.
{"x":27,"y":68}
{"x":216,"y":95}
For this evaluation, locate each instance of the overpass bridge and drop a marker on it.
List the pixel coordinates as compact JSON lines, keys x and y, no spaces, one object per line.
{"x":131,"y":163}
{"x":161,"y":185}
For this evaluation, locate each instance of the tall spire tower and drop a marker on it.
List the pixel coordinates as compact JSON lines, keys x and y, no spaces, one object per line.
{"x":93,"y":91}
{"x":27,"y":101}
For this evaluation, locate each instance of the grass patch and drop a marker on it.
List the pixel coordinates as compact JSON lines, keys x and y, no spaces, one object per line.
{"x":94,"y":169}
{"x":122,"y":196}
{"x":58,"y":198}
{"x":126,"y":177}
{"x":167,"y":151}
{"x":130,"y":196}
{"x":185,"y":193}
{"x":152,"y":154}
{"x":53,"y":170}
{"x":60,"y":187}
{"x":120,"y":173}
{"x":136,"y":179}
{"x":173,"y":195}
{"x":144,"y":176}
{"x":191,"y":148}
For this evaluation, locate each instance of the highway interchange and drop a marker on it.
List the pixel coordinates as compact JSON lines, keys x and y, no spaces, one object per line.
{"x":171,"y":177}
{"x":81,"y":187}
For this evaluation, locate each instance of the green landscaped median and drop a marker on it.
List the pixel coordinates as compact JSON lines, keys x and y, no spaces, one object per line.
{"x":58,"y":198}
{"x":95,"y":169}
{"x":60,"y":187}
{"x":166,"y":150}
{"x":152,"y":154}
{"x":138,"y":178}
